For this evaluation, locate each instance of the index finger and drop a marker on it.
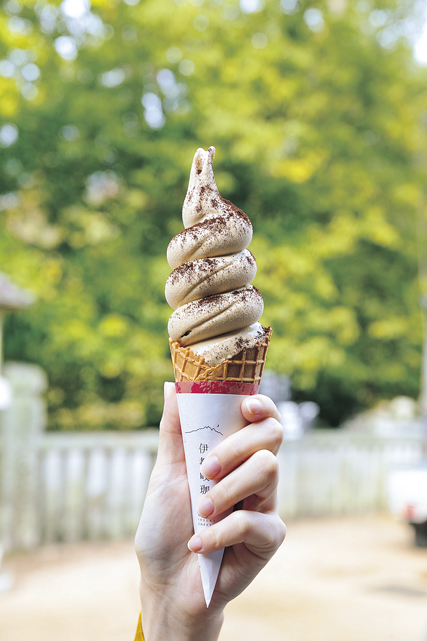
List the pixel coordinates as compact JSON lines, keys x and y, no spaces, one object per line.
{"x":257,"y":408}
{"x":264,"y":432}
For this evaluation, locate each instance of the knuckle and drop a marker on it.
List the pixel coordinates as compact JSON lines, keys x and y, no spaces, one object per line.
{"x":281,"y":531}
{"x":242,"y":522}
{"x":212,"y":536}
{"x":265,"y":400}
{"x":235,"y":451}
{"x":223,"y":493}
{"x":269,"y":407}
{"x":270,"y":542}
{"x":276,"y":431}
{"x":274,"y":536}
{"x":277,"y":534}
{"x":230,"y":453}
{"x":266,"y":462}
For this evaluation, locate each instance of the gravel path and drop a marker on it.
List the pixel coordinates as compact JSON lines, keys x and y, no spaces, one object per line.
{"x":355,"y":579}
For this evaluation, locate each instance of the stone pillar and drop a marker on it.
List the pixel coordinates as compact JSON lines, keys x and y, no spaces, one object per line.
{"x":22,"y":426}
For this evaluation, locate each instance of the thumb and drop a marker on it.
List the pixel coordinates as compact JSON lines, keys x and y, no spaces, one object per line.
{"x":171,"y":449}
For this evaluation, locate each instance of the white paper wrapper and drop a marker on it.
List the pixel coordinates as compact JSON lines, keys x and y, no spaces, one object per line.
{"x":209,"y":413}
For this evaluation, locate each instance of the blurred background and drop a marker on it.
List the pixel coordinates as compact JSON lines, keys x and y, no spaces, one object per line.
{"x":318,"y":112}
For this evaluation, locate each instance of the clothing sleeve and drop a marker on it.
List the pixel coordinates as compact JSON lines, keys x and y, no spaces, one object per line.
{"x":139,"y":636}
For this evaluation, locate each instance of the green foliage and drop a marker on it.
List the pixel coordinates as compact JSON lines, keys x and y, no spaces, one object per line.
{"x":317,"y":122}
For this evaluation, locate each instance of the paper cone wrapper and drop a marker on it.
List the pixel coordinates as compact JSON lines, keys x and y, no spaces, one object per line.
{"x":209,"y":400}
{"x":209,"y":412}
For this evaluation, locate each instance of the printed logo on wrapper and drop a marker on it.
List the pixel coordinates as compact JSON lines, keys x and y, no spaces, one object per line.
{"x":209,"y":412}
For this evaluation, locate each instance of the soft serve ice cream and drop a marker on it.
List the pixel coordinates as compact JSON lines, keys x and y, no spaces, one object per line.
{"x":216,"y":309}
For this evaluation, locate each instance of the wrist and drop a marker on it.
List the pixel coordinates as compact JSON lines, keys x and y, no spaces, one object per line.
{"x":163,"y":620}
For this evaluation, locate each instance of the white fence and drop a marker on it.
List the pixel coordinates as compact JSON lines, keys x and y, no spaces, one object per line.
{"x":331,"y":473}
{"x":83,"y":486}
{"x":76,"y":486}
{"x":92,"y":486}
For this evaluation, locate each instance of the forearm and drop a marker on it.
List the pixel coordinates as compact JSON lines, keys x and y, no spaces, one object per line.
{"x":163,"y":621}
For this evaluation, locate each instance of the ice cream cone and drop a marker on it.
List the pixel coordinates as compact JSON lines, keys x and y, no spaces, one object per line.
{"x":245,"y":367}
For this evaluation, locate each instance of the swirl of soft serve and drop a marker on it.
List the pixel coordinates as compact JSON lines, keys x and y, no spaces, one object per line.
{"x":216,"y":308}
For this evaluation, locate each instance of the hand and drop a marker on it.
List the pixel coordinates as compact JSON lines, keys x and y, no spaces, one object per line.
{"x":246,"y":471}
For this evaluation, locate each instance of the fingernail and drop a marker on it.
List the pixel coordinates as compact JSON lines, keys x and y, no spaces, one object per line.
{"x":254,"y":406}
{"x":195,"y":544}
{"x":211,"y":466}
{"x":205,"y":507}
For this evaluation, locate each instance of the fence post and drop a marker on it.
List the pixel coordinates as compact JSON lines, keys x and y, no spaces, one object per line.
{"x":22,"y":426}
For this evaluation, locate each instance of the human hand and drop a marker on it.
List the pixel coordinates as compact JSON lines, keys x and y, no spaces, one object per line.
{"x":246,"y":471}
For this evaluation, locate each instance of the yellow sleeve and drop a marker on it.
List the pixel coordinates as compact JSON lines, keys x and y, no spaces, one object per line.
{"x":139,"y":636}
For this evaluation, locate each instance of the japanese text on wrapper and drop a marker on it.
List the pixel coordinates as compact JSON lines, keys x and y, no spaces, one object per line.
{"x":204,"y":487}
{"x":203,"y":448}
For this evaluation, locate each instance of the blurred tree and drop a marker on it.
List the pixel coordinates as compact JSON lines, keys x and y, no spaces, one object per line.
{"x":316,"y":113}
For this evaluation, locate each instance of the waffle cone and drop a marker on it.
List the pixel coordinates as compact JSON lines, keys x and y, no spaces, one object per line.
{"x":245,"y":367}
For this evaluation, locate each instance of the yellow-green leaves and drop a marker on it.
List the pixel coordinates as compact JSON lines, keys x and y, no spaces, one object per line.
{"x":320,"y":137}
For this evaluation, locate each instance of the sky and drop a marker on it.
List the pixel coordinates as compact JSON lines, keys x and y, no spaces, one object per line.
{"x":420,"y":44}
{"x":420,"y":48}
